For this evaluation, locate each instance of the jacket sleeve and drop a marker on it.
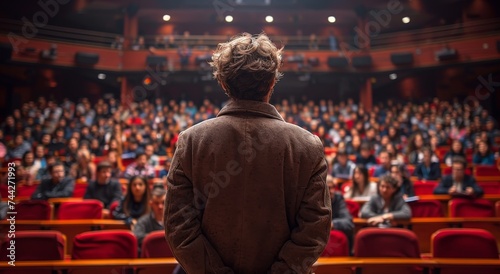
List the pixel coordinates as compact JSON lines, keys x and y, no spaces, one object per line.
{"x":436,"y":175}
{"x":39,"y":192}
{"x":410,"y":191}
{"x":88,"y":194}
{"x":402,"y":210}
{"x":119,"y":214}
{"x":65,"y":191}
{"x":369,"y":209}
{"x":183,"y":222}
{"x":478,"y":191}
{"x":418,"y":172}
{"x":443,"y":187}
{"x":344,"y":221}
{"x":140,"y":229}
{"x":309,"y":238}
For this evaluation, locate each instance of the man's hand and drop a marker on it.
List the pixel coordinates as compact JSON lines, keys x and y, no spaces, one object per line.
{"x":469,"y":191}
{"x":452,"y":190}
{"x":374,"y":221}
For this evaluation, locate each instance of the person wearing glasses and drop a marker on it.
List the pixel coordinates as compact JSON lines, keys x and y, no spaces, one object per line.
{"x":458,"y":183}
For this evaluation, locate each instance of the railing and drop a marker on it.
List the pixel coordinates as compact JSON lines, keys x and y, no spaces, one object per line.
{"x":440,"y":34}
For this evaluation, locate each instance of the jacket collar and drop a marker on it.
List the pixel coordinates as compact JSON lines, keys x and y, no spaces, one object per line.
{"x":249,"y":107}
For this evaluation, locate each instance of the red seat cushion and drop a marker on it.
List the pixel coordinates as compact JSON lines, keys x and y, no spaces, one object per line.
{"x":479,"y":208}
{"x":424,"y":188}
{"x":353,"y":207}
{"x":337,"y":246}
{"x":33,"y":245}
{"x":34,"y":210}
{"x":155,"y":245}
{"x":484,"y":170}
{"x":426,"y":208}
{"x":387,"y":242}
{"x":85,"y":209}
{"x":80,"y":189}
{"x":105,"y":244}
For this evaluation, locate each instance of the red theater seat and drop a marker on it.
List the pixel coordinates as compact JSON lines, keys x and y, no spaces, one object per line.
{"x":337,"y":246}
{"x":85,"y":209}
{"x":424,"y":188}
{"x":105,"y":244}
{"x":387,"y":242}
{"x":426,"y":208}
{"x":479,"y":208}
{"x":155,"y":245}
{"x":353,"y":208}
{"x":80,"y":189}
{"x":490,"y":187}
{"x":497,"y":208}
{"x":34,"y":210}
{"x":31,"y":245}
{"x":483,"y":170}
{"x":112,"y":207}
{"x":25,"y":190}
{"x":468,"y":243}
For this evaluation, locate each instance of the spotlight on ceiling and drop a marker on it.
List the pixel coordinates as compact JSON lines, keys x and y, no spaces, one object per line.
{"x":332,"y":19}
{"x":166,"y":17}
{"x":269,"y":19}
{"x":406,"y":19}
{"x":229,"y":19}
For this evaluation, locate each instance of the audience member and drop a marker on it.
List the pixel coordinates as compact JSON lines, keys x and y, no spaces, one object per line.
{"x":104,"y":188}
{"x":483,"y":155}
{"x":154,"y":220}
{"x":151,"y":157}
{"x":135,"y":203}
{"x":427,"y":170}
{"x":458,"y":183}
{"x":405,"y":186}
{"x":385,"y":164}
{"x":139,"y":168}
{"x":341,"y":218}
{"x":57,"y":186}
{"x":84,"y":169}
{"x":365,"y":157}
{"x":387,"y":205}
{"x":362,"y":188}
{"x":343,"y":167}
{"x":456,"y":150}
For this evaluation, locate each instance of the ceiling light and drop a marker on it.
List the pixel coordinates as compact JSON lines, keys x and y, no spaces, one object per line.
{"x":166,"y":17}
{"x":229,"y":19}
{"x":393,"y":76}
{"x":269,"y":19}
{"x":101,"y":76}
{"x":406,"y":19}
{"x":332,"y":19}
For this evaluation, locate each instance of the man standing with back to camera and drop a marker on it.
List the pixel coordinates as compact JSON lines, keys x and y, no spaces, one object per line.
{"x":247,"y":191}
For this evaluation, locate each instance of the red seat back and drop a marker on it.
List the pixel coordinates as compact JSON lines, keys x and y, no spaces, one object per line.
{"x":386,"y":242}
{"x":497,"y":208}
{"x":479,"y":208}
{"x":25,"y":190}
{"x":80,"y":189}
{"x":108,"y":244}
{"x":490,"y":187}
{"x":424,"y":188}
{"x":112,"y":207}
{"x":34,"y":210}
{"x":486,"y":170}
{"x":155,"y":245}
{"x":353,"y":208}
{"x":337,"y":246}
{"x":426,"y":208}
{"x":468,"y":243}
{"x":85,"y":209}
{"x":34,"y":245}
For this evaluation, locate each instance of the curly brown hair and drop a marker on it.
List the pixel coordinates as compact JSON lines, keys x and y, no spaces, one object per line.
{"x":247,"y":67}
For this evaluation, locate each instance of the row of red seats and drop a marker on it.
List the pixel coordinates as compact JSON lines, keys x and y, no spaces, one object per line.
{"x":458,"y":208}
{"x":105,"y":244}
{"x":396,"y":242}
{"x":369,"y":242}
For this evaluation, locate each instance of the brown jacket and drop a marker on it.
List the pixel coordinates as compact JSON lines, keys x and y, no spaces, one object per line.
{"x":247,"y":194}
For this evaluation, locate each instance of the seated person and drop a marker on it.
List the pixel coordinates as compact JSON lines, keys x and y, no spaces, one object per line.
{"x":387,"y":205}
{"x":365,"y":156}
{"x":427,"y":170}
{"x":458,"y":182}
{"x":457,"y":149}
{"x":483,"y":156}
{"x":343,"y":167}
{"x":399,"y":172}
{"x":362,"y":188}
{"x":341,"y":218}
{"x":140,"y":168}
{"x":57,"y":186}
{"x":154,"y":220}
{"x":104,"y":188}
{"x":385,"y":164}
{"x":84,"y":168}
{"x":153,"y":160}
{"x":135,"y":203}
